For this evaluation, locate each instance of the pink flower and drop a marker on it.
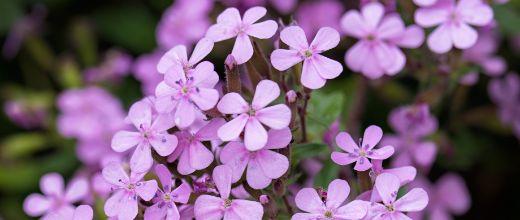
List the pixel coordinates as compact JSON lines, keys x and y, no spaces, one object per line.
{"x":114,"y":67}
{"x":262,"y":165}
{"x":185,"y":96}
{"x":212,"y":207}
{"x":192,"y":154}
{"x":82,"y":212}
{"x":151,"y":132}
{"x":316,"y":68}
{"x":123,"y":203}
{"x":387,"y":186}
{"x":380,"y":36}
{"x":331,"y":206}
{"x":230,"y":24}
{"x":360,"y":153}
{"x":483,"y":53}
{"x":165,"y":207}
{"x":178,"y":56}
{"x":56,"y":200}
{"x":424,"y":3}
{"x":251,"y":117}
{"x":453,"y":21}
{"x":311,"y":24}
{"x":145,"y":70}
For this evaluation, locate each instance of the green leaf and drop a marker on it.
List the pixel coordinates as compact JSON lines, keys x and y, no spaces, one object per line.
{"x":9,"y":12}
{"x":323,"y":109}
{"x":328,"y":173}
{"x":22,"y":144}
{"x":508,"y":19}
{"x":308,"y":150}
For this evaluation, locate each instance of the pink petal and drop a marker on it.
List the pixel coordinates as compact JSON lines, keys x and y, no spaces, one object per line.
{"x":200,"y":156}
{"x":262,"y":30}
{"x":362,"y":164}
{"x":184,"y":166}
{"x":387,"y":186}
{"x":353,"y":24}
{"x":222,"y":177}
{"x":356,"y":209}
{"x":182,"y":193}
{"x":255,"y":135}
{"x":83,"y":212}
{"x":163,"y":174}
{"x":243,"y":49}
{"x":154,"y":212}
{"x":233,"y":128}
{"x":220,"y":32}
{"x":357,"y":55}
{"x":165,"y":104}
{"x":254,"y":14}
{"x":372,"y":13}
{"x":294,"y":36}
{"x":174,"y":75}
{"x":51,"y":184}
{"x":146,"y":189}
{"x":235,"y":155}
{"x":36,"y":205}
{"x":266,"y":92}
{"x":205,"y":99}
{"x":202,"y":49}
{"x":232,"y":103}
{"x":310,"y":77}
{"x":439,"y":41}
{"x":432,"y":16}
{"x":326,"y":39}
{"x":384,"y":56}
{"x":453,"y":192}
{"x":124,"y":140}
{"x":255,"y":176}
{"x":230,"y":16}
{"x":475,"y":12}
{"x":463,"y":36}
{"x":405,"y":174}
{"x":424,"y":2}
{"x":128,"y":208}
{"x":399,"y":61}
{"x":412,"y":37}
{"x":209,"y":131}
{"x":391,"y":26}
{"x":413,"y":201}
{"x":185,"y":114}
{"x":306,"y":216}
{"x":326,"y":67}
{"x":308,"y":200}
{"x":337,"y":193}
{"x":114,"y":204}
{"x":372,"y":136}
{"x":278,"y":138}
{"x":276,"y":116}
{"x":208,"y":207}
{"x":246,"y":209}
{"x":77,"y":190}
{"x":381,"y":153}
{"x":140,"y":114}
{"x":174,"y":56}
{"x":204,"y":75}
{"x":115,"y":174}
{"x":343,"y":158}
{"x":425,"y":153}
{"x":164,"y":144}
{"x":284,"y":59}
{"x":141,"y":159}
{"x":273,"y":164}
{"x":345,"y":142}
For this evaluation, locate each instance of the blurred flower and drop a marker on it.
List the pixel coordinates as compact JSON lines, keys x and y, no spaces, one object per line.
{"x":230,"y":24}
{"x":377,"y":52}
{"x":56,"y":200}
{"x":424,"y":3}
{"x":251,"y":117}
{"x":330,"y":133}
{"x":283,"y":6}
{"x":316,"y":68}
{"x":82,"y":212}
{"x":483,"y":53}
{"x":212,"y":207}
{"x":505,"y":93}
{"x":360,"y":153}
{"x":453,"y":21}
{"x":311,"y":24}
{"x":190,"y":16}
{"x":405,"y":174}
{"x":25,"y":114}
{"x":115,"y":66}
{"x":145,"y":70}
{"x":262,"y":165}
{"x":23,"y":27}
{"x":331,"y":207}
{"x":178,"y":57}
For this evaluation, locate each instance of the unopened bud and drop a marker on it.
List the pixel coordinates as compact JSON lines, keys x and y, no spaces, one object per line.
{"x":291,"y":96}
{"x":230,"y":63}
{"x":264,"y":199}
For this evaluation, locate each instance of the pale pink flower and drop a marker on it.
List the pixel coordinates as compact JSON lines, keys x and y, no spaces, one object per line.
{"x":230,"y":24}
{"x":151,"y":133}
{"x":380,"y":36}
{"x":262,"y":165}
{"x":251,"y":117}
{"x":311,"y":24}
{"x":316,"y":67}
{"x":178,"y":56}
{"x":223,"y":207}
{"x":392,"y":208}
{"x":331,"y":207}
{"x":362,"y":152}
{"x":424,"y":3}
{"x":82,"y":212}
{"x":453,"y":21}
{"x":123,"y":203}
{"x":145,"y":70}
{"x":185,"y":96}
{"x":190,"y":152}
{"x":56,"y":200}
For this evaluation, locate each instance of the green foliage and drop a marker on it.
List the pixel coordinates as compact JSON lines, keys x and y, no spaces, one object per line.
{"x":323,"y":109}
{"x":308,"y":150}
{"x":328,"y":173}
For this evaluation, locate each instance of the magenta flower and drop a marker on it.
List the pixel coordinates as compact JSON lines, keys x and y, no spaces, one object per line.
{"x":380,"y":36}
{"x":123,"y":203}
{"x":311,"y":24}
{"x":262,"y":165}
{"x":179,"y":57}
{"x":330,"y":207}
{"x":165,"y":199}
{"x":391,"y":208}
{"x":56,"y":200}
{"x":251,"y":117}
{"x":192,"y":154}
{"x":230,"y":24}
{"x":505,"y":93}
{"x":362,"y":152}
{"x":212,"y":207}
{"x":151,"y":132}
{"x":316,"y":67}
{"x":145,"y":70}
{"x":453,"y":21}
{"x":186,"y":96}
{"x":449,"y":196}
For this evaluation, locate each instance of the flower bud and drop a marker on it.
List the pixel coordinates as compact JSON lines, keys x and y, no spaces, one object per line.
{"x":291,"y":96}
{"x":264,"y":199}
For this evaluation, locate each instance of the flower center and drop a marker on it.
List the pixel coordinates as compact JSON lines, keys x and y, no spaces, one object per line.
{"x":390,"y":207}
{"x":227,"y":203}
{"x":130,"y":186}
{"x":371,"y":37}
{"x":307,"y":53}
{"x":328,"y":214}
{"x":167,"y":197}
{"x":251,"y":112}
